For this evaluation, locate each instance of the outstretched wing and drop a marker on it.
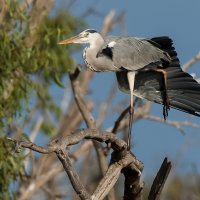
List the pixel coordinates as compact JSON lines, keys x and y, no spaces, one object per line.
{"x":135,"y":53}
{"x":182,"y":90}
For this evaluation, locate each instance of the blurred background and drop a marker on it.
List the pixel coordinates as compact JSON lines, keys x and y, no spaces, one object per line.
{"x":37,"y":101}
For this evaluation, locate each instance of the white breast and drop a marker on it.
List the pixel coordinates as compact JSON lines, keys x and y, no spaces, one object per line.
{"x":111,"y":44}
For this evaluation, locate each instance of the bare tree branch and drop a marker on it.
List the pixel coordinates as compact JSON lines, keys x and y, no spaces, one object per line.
{"x":88,"y":118}
{"x":41,"y":178}
{"x":108,"y":23}
{"x":176,"y":124}
{"x":3,"y":10}
{"x":32,"y":146}
{"x":160,"y":180}
{"x":191,"y":62}
{"x":122,"y":122}
{"x":60,"y":145}
{"x":63,"y":156}
{"x":132,"y":185}
{"x":65,"y":127}
{"x":42,"y":7}
{"x":112,"y":174}
{"x":120,"y":118}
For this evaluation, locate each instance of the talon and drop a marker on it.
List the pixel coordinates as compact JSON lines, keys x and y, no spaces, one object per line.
{"x":166,"y":107}
{"x":166,"y":103}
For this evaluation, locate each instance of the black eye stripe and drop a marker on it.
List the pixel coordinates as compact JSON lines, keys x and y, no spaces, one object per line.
{"x":91,"y":31}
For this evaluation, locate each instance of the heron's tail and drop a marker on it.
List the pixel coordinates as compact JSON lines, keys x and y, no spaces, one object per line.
{"x":182,"y":90}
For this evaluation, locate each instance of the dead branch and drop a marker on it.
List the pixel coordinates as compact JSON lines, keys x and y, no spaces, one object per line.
{"x":63,"y":156}
{"x":132,"y":172}
{"x":42,"y":7}
{"x":122,"y":158}
{"x":191,"y":62}
{"x":3,"y":10}
{"x":119,"y":119}
{"x":40,"y":179}
{"x":160,"y":180}
{"x":132,"y":185}
{"x":65,"y":128}
{"x":110,"y":20}
{"x":108,"y":23}
{"x":88,"y":118}
{"x":32,"y":146}
{"x":121,"y":123}
{"x":119,"y":160}
{"x":176,"y":124}
{"x":94,"y":134}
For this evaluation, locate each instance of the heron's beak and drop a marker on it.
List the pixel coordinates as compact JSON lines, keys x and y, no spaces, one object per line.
{"x":75,"y":39}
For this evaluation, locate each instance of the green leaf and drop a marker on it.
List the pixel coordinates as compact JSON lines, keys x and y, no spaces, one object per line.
{"x":58,"y":81}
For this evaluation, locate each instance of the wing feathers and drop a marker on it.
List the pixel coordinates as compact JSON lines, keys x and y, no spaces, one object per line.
{"x":183,"y":90}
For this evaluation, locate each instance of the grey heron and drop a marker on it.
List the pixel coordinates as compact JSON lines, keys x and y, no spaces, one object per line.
{"x":146,"y":67}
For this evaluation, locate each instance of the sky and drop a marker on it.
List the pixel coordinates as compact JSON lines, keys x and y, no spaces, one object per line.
{"x":178,"y":19}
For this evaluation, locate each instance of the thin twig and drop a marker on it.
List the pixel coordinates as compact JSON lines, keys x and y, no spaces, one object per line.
{"x":32,"y":146}
{"x":33,"y":136}
{"x":120,"y":118}
{"x":122,"y":122}
{"x":36,"y":128}
{"x":103,"y":108}
{"x":37,"y":182}
{"x":177,"y":124}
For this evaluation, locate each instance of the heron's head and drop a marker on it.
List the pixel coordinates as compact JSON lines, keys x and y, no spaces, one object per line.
{"x":87,"y":36}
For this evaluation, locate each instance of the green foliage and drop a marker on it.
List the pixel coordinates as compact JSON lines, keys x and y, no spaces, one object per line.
{"x":29,"y":58}
{"x":11,"y":167}
{"x":30,"y":61}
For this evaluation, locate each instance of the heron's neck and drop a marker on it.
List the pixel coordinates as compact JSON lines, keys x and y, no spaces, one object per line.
{"x":96,"y":46}
{"x":90,"y":53}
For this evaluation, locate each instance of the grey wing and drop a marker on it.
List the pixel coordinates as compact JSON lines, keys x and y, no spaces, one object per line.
{"x":135,"y":53}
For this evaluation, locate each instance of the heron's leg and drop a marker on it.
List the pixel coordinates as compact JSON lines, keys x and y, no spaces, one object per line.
{"x":166,"y":103}
{"x":131,"y":81}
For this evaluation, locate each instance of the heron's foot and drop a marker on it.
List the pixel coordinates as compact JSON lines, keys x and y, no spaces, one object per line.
{"x":166,"y":108}
{"x":166,"y":103}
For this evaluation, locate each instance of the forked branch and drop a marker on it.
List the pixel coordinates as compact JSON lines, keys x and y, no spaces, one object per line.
{"x":121,"y":158}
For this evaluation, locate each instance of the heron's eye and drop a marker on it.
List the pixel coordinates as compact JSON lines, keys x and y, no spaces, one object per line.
{"x":85,"y":34}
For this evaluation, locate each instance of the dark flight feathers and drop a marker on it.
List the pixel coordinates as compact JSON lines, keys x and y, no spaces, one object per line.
{"x":183,"y":91}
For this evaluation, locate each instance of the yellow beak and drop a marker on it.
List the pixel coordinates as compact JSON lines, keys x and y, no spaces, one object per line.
{"x":75,"y":39}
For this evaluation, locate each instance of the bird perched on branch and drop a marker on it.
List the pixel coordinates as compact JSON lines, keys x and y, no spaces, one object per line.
{"x":146,"y":67}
